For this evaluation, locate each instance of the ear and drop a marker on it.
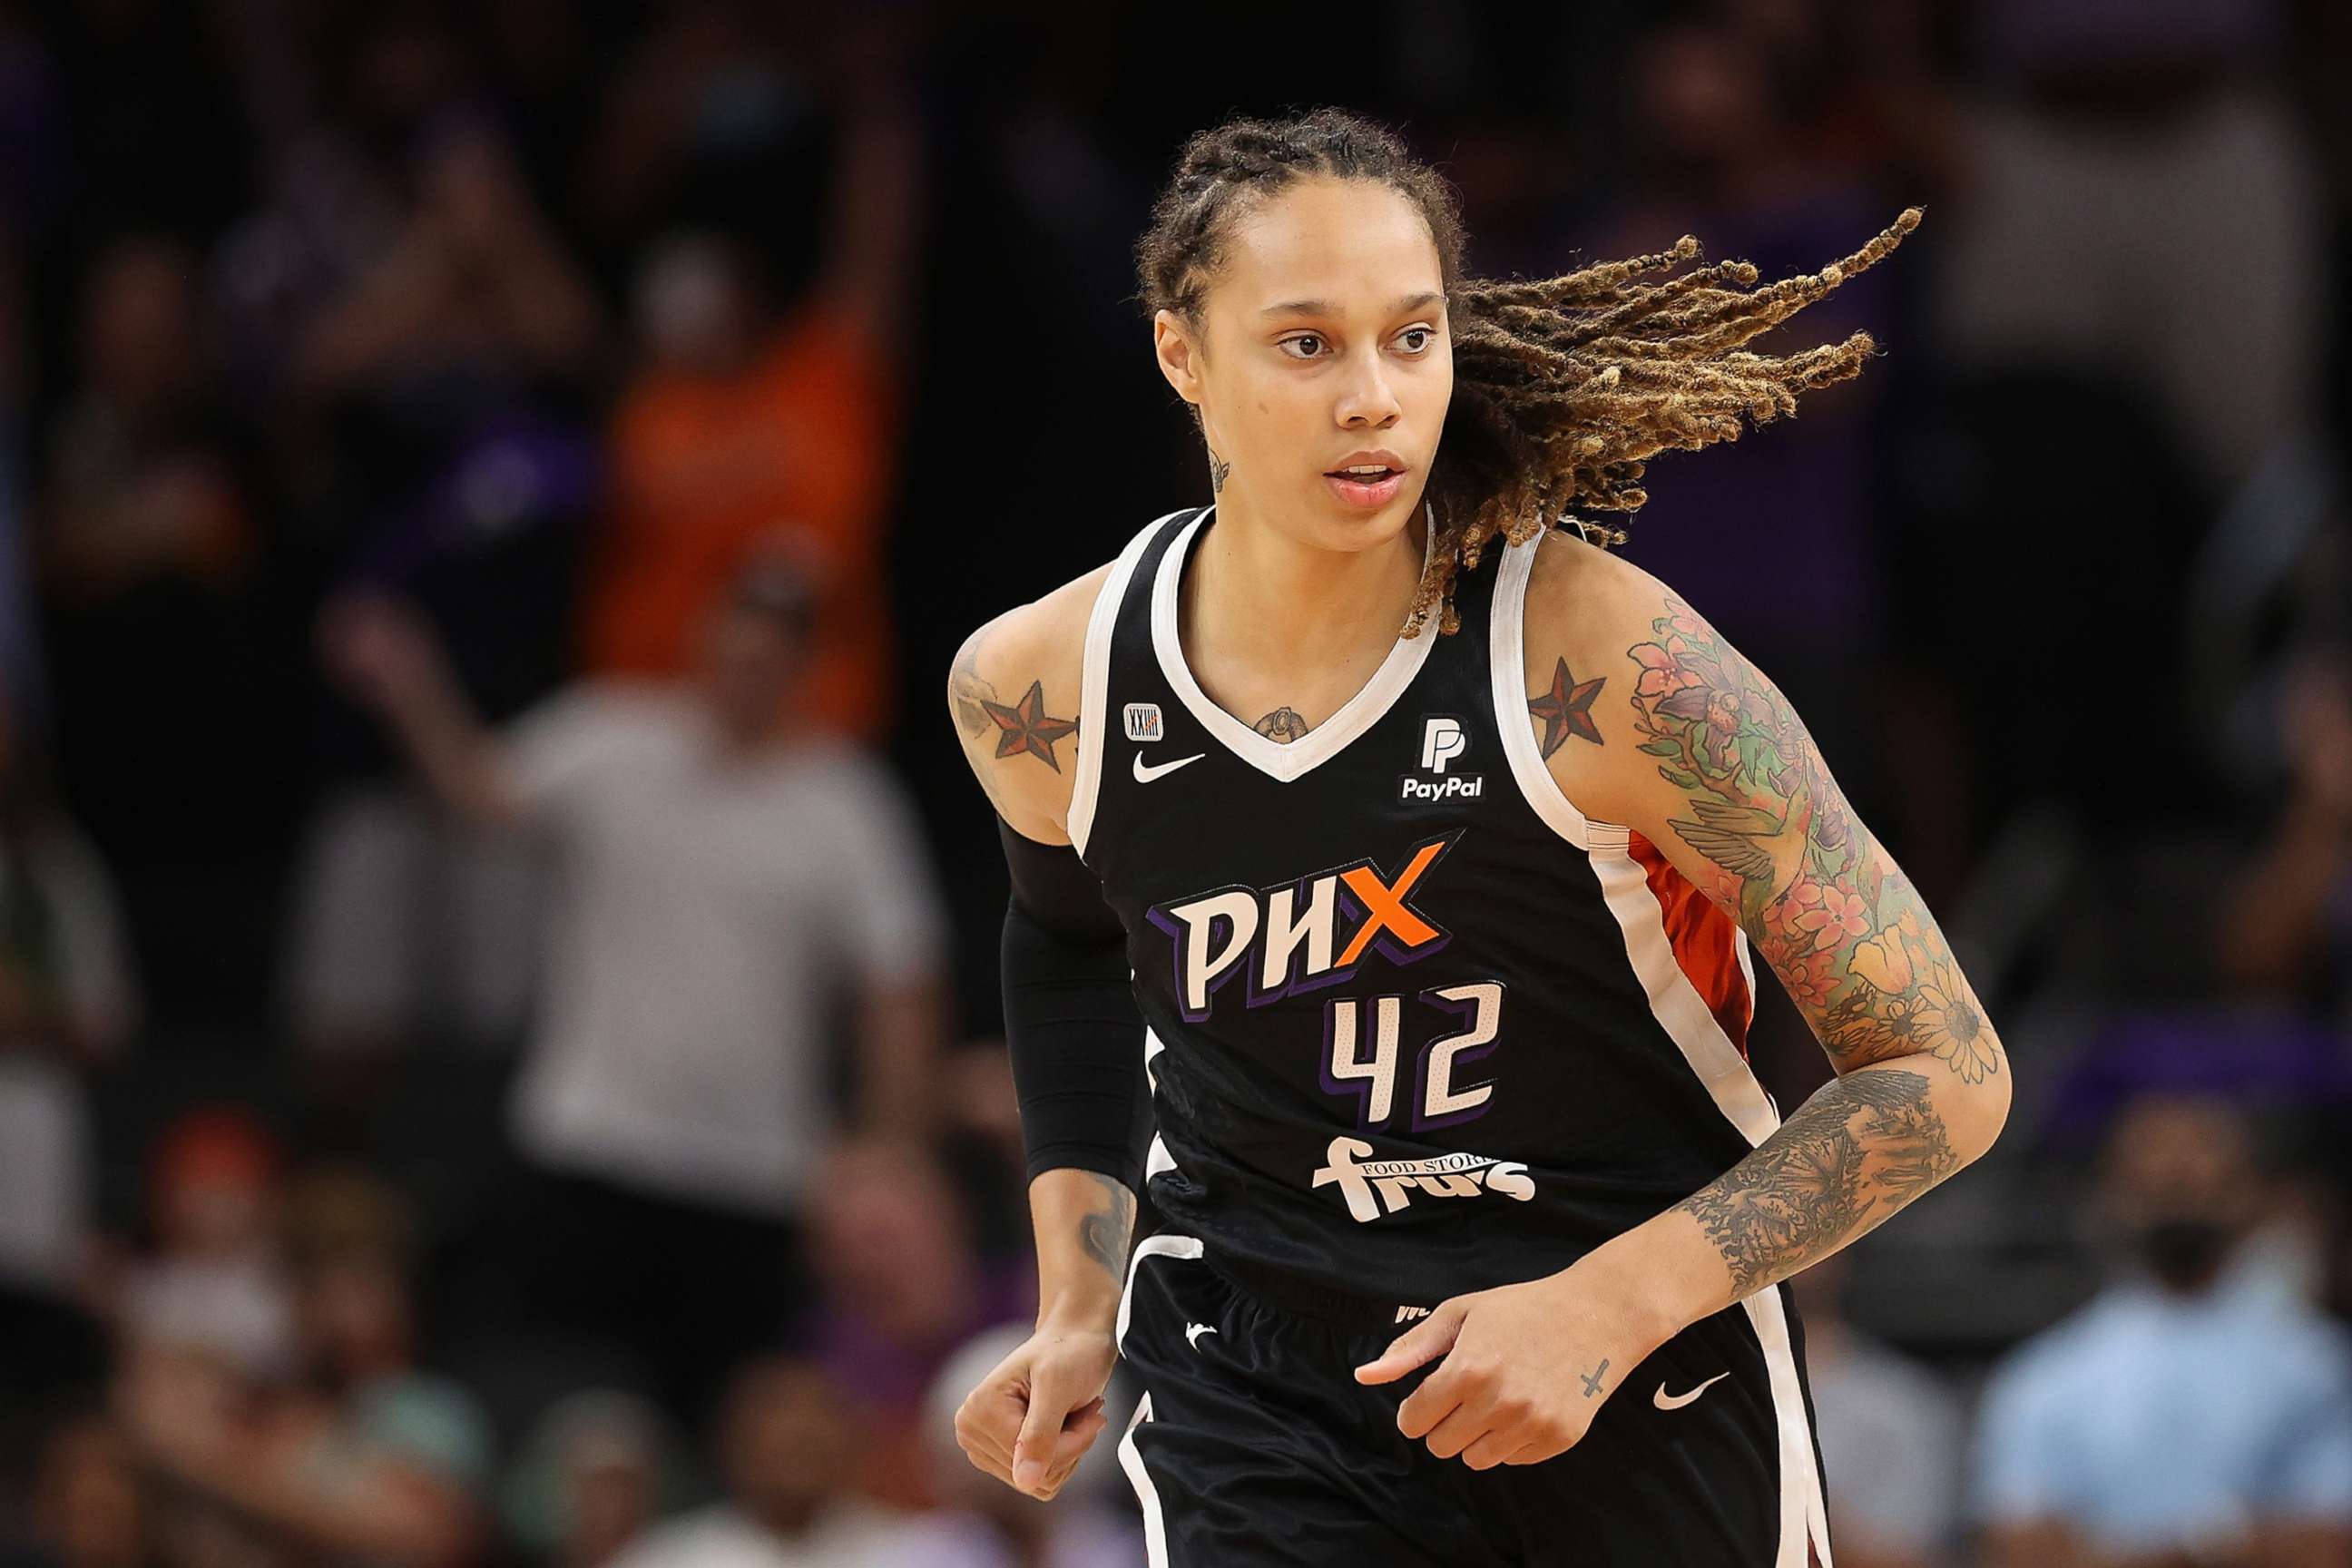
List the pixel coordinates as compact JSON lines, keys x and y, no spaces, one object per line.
{"x":1179,"y":354}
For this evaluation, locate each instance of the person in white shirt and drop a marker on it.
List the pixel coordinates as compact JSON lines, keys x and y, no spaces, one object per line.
{"x":723,"y":879}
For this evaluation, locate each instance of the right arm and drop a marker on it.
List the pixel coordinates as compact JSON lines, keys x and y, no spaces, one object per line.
{"x":385,"y":655}
{"x":1075,"y":1041}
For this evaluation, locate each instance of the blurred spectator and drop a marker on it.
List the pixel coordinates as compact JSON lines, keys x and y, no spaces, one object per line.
{"x":89,"y":1503}
{"x":987,"y":1524}
{"x":2144,"y":146}
{"x":216,"y":1285}
{"x":904,"y":1287}
{"x":2286,"y":926}
{"x":1890,"y":1435}
{"x":141,"y":489}
{"x":2192,"y":1412}
{"x":149,"y":553}
{"x":725,"y":878}
{"x":787,"y":1447}
{"x":369,"y":1460}
{"x":592,"y":1477}
{"x":749,"y":413}
{"x":68,"y":1002}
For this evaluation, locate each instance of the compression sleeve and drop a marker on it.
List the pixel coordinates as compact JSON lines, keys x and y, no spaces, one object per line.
{"x":1070,"y":1018}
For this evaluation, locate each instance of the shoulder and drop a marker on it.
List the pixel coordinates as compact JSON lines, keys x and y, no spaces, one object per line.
{"x":1609,"y":649}
{"x":1013,"y":694}
{"x":1583,"y":598}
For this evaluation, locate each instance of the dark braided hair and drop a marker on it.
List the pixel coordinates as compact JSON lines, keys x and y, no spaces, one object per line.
{"x":1563,"y":388}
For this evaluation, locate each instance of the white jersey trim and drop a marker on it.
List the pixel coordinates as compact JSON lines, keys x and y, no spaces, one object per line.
{"x":1278,"y":760}
{"x":1507,"y":656}
{"x":1130,"y":1459}
{"x":1094,"y":685}
{"x":1161,"y":1245}
{"x":1804,"y":1514}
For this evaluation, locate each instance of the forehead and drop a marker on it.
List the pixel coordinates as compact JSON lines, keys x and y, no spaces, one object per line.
{"x":1358,"y":245}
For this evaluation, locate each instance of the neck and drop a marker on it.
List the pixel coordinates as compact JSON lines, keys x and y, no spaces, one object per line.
{"x":1266,"y":598}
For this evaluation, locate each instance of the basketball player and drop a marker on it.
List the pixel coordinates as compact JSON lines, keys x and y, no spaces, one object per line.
{"x":1437,"y":846}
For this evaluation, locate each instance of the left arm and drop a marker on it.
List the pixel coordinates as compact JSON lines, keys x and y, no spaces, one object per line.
{"x":1693,"y":749}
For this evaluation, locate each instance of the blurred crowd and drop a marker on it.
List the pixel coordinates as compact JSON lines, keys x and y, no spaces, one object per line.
{"x":498,"y":1032}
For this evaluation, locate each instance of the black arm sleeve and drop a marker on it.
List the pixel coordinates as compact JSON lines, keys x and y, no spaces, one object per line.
{"x":1070,"y":1019}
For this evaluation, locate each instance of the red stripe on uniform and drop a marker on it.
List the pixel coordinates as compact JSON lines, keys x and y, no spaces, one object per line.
{"x":1702,"y":937}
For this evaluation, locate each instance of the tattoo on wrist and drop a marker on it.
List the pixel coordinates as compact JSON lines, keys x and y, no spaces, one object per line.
{"x":1104,"y":1232}
{"x":1592,"y":1380}
{"x":1283,"y":724}
{"x":1025,"y":727}
{"x":1862,"y":1147}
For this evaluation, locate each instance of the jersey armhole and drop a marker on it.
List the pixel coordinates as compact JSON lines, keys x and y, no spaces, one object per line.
{"x":1094,"y":685}
{"x":1508,"y":661}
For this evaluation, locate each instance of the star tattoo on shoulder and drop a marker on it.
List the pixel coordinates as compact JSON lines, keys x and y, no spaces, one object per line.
{"x":1566,"y":708}
{"x":1024,"y":726}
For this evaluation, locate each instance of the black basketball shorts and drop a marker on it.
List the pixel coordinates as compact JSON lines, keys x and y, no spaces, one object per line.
{"x":1253,"y":1444}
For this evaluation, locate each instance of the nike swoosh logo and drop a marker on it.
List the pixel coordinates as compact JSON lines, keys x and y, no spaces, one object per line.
{"x":1665,"y":1401}
{"x":1145,"y":773}
{"x":1192,"y":1332}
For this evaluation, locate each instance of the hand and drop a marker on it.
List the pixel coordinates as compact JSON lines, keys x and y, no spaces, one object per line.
{"x":375,"y":646}
{"x":1526,"y":1367}
{"x":1034,"y":1416}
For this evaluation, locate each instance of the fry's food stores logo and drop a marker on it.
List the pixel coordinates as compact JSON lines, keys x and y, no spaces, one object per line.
{"x":1383,"y":1186}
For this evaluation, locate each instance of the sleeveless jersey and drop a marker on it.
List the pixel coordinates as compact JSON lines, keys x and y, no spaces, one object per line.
{"x":1413,"y":1022}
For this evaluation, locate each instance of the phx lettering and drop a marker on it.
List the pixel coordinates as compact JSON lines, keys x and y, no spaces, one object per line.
{"x":1288,"y":937}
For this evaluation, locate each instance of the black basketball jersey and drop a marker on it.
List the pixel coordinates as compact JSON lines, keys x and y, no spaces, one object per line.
{"x":1415,"y":1026}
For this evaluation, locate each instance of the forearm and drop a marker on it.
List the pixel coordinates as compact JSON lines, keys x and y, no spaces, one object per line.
{"x":454,"y":751}
{"x":1083,"y":1221}
{"x":1861,"y":1148}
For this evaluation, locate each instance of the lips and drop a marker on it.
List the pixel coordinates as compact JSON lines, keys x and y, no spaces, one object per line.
{"x":1368,"y":458}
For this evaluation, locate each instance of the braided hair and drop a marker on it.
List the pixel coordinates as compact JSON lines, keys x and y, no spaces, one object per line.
{"x":1563,"y":388}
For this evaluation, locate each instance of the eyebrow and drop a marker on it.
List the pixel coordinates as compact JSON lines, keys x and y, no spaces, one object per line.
{"x":1325,"y":307}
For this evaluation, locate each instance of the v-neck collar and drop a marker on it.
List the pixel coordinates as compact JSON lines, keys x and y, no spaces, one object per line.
{"x":1276,"y":759}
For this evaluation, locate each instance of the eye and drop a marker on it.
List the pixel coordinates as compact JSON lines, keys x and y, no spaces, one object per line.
{"x":1315,"y":338}
{"x":1427,"y":335}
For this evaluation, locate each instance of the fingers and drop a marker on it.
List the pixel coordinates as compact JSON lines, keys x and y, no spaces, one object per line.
{"x":1053,"y":1432}
{"x":1424,"y":1341}
{"x":1429,"y":1404}
{"x":1493,"y":1448}
{"x":1461,"y":1428}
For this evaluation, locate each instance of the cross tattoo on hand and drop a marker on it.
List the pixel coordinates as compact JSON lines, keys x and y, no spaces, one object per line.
{"x":1592,"y":1383}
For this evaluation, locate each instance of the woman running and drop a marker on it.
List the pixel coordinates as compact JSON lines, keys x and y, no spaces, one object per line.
{"x":1390,"y":860}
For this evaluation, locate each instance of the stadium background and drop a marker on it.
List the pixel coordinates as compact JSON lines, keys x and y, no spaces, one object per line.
{"x":545,"y":320}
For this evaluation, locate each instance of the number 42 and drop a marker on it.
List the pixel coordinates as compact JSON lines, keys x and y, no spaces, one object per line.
{"x":1361,"y":1048}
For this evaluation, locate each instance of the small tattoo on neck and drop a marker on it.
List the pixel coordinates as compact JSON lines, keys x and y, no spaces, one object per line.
{"x":1218,"y":469}
{"x":1592,"y":1383}
{"x":1283,"y":724}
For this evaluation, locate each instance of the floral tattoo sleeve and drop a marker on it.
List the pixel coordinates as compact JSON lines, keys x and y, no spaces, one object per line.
{"x":1837,"y":920}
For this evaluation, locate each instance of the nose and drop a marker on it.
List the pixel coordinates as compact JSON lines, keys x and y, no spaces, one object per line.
{"x":1367,"y":401}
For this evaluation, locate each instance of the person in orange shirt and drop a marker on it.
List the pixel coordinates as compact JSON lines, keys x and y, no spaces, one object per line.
{"x":743,"y":425}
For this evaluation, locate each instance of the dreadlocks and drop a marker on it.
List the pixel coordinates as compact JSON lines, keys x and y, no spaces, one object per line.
{"x":1563,"y":388}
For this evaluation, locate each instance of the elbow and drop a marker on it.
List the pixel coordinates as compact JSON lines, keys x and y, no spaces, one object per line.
{"x":1988,"y":1104}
